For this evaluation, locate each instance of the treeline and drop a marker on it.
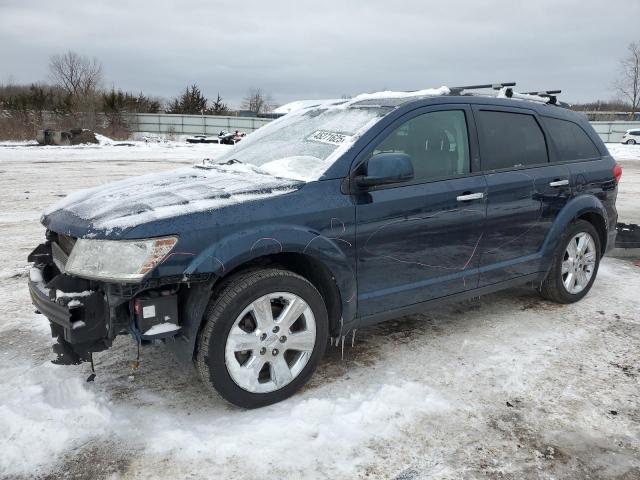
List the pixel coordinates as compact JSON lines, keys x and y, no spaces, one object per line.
{"x":74,"y":97}
{"x":42,"y":97}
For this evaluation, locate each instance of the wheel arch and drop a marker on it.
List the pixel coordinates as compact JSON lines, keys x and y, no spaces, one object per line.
{"x":306,"y":266}
{"x":319,"y":259}
{"x":584,"y":207}
{"x":599,"y":223}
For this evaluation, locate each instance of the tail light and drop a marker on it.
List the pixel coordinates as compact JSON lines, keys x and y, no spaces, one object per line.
{"x":617,"y":172}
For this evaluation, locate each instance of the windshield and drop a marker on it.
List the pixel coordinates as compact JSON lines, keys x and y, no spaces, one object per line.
{"x":303,"y":145}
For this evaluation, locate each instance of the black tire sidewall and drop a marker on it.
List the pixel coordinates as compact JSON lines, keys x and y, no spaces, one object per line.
{"x":219,"y":376}
{"x":577,"y":227}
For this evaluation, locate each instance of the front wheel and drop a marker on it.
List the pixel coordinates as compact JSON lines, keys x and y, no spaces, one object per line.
{"x":631,"y":142}
{"x":575,"y":264}
{"x":264,"y":335}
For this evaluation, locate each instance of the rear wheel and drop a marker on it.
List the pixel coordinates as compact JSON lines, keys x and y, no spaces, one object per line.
{"x":575,"y":264}
{"x":263,"y":338}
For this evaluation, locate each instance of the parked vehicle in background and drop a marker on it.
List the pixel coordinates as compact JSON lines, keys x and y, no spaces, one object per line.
{"x":631,"y":137}
{"x":224,"y":137}
{"x":328,"y":219}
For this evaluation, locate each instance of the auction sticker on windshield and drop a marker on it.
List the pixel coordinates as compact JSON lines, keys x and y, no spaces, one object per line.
{"x":325,"y":136}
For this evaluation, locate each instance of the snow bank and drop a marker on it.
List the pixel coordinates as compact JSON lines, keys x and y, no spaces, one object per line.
{"x":104,"y":140}
{"x":335,"y":427}
{"x":44,"y":411}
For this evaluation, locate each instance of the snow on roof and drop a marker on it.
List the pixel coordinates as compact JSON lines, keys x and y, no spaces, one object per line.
{"x":301,"y":104}
{"x":383,"y":95}
{"x":389,"y":94}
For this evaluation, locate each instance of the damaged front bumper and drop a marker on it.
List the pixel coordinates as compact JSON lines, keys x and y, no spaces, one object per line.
{"x":86,"y":315}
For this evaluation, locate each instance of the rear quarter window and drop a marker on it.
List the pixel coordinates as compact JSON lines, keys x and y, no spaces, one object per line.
{"x":571,"y":140}
{"x":510,"y":140}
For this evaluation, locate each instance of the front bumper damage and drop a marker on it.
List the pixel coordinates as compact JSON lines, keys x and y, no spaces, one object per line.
{"x":86,"y":315}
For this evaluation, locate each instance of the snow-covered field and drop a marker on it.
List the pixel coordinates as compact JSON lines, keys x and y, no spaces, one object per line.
{"x":508,"y":386}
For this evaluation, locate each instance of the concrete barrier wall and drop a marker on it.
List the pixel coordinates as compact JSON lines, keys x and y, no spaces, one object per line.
{"x":611,"y":132}
{"x":211,"y":125}
{"x":191,"y":124}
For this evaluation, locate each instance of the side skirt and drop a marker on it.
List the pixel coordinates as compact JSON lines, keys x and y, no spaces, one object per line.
{"x":532,"y":278}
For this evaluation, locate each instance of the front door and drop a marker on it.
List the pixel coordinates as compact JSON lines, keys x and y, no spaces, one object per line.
{"x":420,"y":239}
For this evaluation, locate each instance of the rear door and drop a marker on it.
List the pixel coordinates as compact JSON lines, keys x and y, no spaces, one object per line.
{"x":420,"y":239}
{"x":525,"y":191}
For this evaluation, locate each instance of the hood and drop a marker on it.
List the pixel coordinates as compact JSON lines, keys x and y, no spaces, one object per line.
{"x":138,"y":200}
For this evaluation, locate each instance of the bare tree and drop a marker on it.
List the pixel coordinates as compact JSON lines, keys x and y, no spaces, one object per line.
{"x":77,"y":75}
{"x":628,"y":82}
{"x":257,"y":101}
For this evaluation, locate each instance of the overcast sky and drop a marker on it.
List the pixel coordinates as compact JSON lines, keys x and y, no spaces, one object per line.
{"x":325,"y":49}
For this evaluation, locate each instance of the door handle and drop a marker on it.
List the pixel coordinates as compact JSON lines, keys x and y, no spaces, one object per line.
{"x":559,"y":183}
{"x":470,"y":196}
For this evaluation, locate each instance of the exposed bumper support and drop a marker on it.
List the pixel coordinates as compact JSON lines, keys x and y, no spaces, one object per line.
{"x":628,"y":235}
{"x":86,"y":316}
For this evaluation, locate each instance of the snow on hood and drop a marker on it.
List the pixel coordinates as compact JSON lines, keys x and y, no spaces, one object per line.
{"x":138,"y":200}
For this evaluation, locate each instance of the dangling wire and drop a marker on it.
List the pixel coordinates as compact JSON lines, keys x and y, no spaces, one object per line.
{"x":136,"y":364}
{"x":91,"y":377}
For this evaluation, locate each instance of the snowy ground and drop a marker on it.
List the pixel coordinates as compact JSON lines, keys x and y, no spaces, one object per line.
{"x":508,"y":386}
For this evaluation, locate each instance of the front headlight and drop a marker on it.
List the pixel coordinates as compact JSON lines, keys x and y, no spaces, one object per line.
{"x":117,"y":260}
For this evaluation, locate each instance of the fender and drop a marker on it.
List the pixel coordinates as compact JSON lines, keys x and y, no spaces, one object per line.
{"x":238,"y":248}
{"x":574,"y":208}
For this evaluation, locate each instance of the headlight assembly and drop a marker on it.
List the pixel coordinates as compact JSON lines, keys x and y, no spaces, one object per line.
{"x":118,"y":260}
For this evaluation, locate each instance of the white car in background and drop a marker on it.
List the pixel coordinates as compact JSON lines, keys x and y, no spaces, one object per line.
{"x":631,"y":137}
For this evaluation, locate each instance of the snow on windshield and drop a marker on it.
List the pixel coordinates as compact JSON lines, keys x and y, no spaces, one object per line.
{"x":302,"y":145}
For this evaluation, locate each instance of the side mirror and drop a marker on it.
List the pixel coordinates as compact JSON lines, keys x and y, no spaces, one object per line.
{"x":386,"y":168}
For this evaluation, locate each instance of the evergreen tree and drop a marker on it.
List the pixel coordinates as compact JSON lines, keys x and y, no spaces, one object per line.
{"x":218,"y":107}
{"x":190,"y":102}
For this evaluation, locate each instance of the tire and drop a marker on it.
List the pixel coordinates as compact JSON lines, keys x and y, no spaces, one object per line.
{"x":239,"y":317}
{"x":554,"y":287}
{"x":631,"y":142}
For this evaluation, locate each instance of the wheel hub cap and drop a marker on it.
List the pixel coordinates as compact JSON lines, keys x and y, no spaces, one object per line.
{"x":578,"y":263}
{"x":270,"y":342}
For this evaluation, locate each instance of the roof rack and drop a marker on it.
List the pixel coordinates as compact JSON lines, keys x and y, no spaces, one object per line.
{"x":552,"y":95}
{"x":545,"y":96}
{"x":494,"y":86}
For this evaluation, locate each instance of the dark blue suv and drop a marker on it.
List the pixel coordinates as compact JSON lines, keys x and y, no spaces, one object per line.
{"x":333,"y":217}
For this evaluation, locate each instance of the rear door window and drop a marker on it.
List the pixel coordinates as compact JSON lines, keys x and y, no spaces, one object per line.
{"x":510,"y":140}
{"x":571,"y":140}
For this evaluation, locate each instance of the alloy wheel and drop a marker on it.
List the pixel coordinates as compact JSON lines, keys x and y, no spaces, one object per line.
{"x":270,"y":342}
{"x":578,"y":263}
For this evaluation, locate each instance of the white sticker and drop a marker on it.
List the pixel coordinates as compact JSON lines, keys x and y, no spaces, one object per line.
{"x":149,"y":311}
{"x":325,"y":136}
